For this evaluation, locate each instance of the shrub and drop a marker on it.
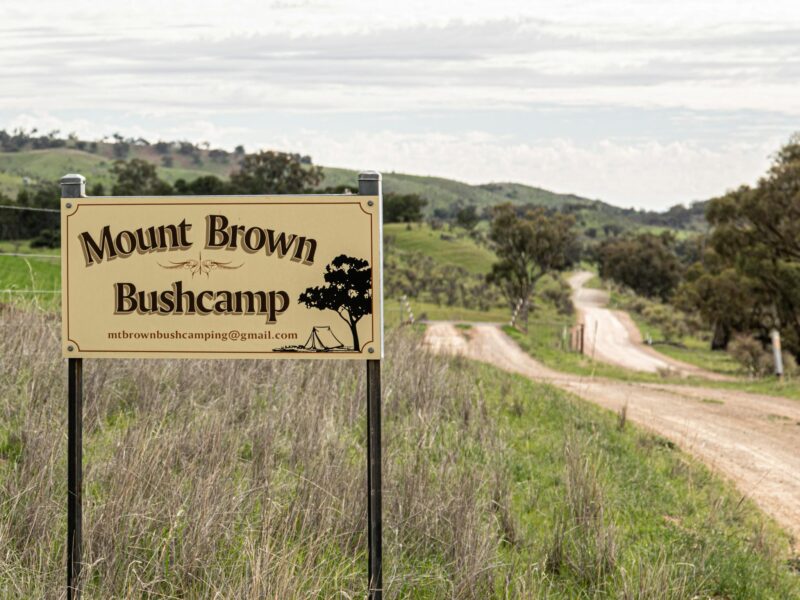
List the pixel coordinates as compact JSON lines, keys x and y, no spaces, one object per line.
{"x":672,"y":324}
{"x":748,"y":352}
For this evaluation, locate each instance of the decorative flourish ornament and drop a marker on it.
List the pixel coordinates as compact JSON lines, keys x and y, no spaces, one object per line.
{"x":199,"y":266}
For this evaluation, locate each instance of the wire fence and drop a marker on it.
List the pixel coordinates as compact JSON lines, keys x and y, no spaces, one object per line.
{"x":29,"y":241}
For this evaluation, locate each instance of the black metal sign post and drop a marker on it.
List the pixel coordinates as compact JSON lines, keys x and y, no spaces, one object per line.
{"x":369,"y":184}
{"x":74,"y":186}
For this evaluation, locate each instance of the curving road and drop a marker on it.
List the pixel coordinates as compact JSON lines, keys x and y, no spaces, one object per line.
{"x":751,"y":439}
{"x":612,"y":337}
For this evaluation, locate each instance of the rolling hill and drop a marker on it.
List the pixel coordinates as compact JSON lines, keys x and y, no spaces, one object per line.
{"x":181,"y":160}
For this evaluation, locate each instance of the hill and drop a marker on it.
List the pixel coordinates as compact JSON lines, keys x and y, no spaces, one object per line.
{"x":444,"y":247}
{"x":26,"y":160}
{"x":443,"y":193}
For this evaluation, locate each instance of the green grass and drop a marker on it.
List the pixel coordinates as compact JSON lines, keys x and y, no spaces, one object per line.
{"x":545,"y":342}
{"x":24,"y":247}
{"x":51,"y":165}
{"x":20,"y":275}
{"x":770,"y":386}
{"x":459,"y":251}
{"x":668,"y":518}
{"x":393,"y":310}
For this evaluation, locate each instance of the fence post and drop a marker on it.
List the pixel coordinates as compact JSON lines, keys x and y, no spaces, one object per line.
{"x":408,"y":309}
{"x":74,"y":186}
{"x":515,"y":313}
{"x":369,"y":184}
{"x":776,"y":352}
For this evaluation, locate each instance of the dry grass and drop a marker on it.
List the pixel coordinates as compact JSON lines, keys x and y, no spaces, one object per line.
{"x":244,"y":479}
{"x":247,"y":479}
{"x":584,"y":538}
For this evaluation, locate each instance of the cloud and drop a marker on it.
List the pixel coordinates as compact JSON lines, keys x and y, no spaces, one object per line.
{"x":497,"y":62}
{"x":639,"y":102}
{"x":645,"y":174}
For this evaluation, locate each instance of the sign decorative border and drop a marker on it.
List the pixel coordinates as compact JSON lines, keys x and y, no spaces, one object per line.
{"x":351,"y":290}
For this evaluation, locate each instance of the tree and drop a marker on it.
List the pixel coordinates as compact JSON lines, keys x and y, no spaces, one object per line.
{"x":347,"y":292}
{"x":756,"y":232}
{"x":270,"y":172}
{"x":722,"y":297}
{"x":138,"y":177}
{"x":530,"y":242}
{"x":203,"y":186}
{"x":646,"y":263}
{"x":403,"y":208}
{"x":42,"y":226}
{"x":468,"y":217}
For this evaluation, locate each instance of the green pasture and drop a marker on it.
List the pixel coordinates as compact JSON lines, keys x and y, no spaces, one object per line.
{"x":445,"y":247}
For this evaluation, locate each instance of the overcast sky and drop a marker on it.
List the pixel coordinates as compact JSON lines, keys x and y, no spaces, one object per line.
{"x":639,"y":103}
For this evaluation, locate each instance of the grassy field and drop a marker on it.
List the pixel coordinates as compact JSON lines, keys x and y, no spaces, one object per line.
{"x":545,"y":341}
{"x":29,"y":280}
{"x":443,"y":246}
{"x":51,"y":165}
{"x":393,"y":310}
{"x":239,"y":479}
{"x":443,"y":193}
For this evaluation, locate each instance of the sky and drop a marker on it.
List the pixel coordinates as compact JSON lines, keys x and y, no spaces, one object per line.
{"x":638,"y":103}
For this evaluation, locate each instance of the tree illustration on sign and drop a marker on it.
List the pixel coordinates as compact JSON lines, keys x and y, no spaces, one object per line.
{"x":347,"y":292}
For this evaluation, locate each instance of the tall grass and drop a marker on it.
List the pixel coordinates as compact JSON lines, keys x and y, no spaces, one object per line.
{"x":247,"y":479}
{"x":242,"y":479}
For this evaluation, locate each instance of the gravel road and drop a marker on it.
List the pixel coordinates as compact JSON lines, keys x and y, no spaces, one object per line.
{"x":612,"y":337}
{"x":749,"y":438}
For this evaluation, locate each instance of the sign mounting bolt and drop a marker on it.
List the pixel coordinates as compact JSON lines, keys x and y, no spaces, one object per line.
{"x":370,"y":203}
{"x":69,"y":204}
{"x":70,"y":348}
{"x":371,"y":350}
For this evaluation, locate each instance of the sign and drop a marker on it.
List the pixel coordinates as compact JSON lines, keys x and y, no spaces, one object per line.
{"x":222,"y":277}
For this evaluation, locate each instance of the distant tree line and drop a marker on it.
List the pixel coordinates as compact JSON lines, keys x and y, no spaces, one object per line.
{"x":266,"y":172}
{"x":420,"y":277}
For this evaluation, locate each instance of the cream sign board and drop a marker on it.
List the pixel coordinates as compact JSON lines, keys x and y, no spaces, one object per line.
{"x":222,"y":277}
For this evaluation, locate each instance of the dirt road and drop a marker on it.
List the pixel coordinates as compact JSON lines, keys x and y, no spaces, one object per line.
{"x":751,"y":439}
{"x":612,"y":337}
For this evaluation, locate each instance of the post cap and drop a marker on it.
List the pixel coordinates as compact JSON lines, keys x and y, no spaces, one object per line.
{"x":369,"y":176}
{"x":72,"y":179}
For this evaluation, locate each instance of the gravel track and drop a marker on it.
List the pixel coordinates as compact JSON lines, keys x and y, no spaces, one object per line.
{"x":749,"y":438}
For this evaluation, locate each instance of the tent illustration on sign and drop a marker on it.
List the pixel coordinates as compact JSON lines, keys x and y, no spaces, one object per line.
{"x":348,"y":293}
{"x":322,"y":339}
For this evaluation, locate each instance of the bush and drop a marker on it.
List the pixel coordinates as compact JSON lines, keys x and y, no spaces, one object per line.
{"x":766,"y":364}
{"x":47,"y":238}
{"x":789,"y":365}
{"x":556,"y":291}
{"x":672,"y":324}
{"x":746,"y":351}
{"x":754,"y":358}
